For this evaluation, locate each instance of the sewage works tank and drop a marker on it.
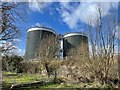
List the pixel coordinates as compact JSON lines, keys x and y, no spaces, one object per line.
{"x":34,"y":37}
{"x":74,"y":40}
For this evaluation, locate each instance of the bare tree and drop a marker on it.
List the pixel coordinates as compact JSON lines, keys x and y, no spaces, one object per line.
{"x":103,"y":43}
{"x":11,"y":17}
{"x":47,"y":51}
{"x":101,"y":66}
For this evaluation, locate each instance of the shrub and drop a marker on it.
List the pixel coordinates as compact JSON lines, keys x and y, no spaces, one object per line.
{"x":11,"y":63}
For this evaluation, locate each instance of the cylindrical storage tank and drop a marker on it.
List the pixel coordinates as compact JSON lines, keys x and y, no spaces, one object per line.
{"x":34,"y":36}
{"x":75,"y":40}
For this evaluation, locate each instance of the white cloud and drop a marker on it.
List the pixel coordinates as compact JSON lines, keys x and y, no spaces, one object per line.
{"x":41,"y":24}
{"x":35,"y":6}
{"x":17,"y":40}
{"x":38,"y":24}
{"x":38,"y":5}
{"x":18,"y":51}
{"x":14,"y":50}
{"x":6,"y":45}
{"x":72,"y":15}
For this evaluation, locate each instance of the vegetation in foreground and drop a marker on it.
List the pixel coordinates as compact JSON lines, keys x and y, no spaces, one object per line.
{"x":10,"y":78}
{"x":72,"y":73}
{"x":78,"y":70}
{"x":19,"y":78}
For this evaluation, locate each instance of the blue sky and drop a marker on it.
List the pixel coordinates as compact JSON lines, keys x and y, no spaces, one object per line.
{"x":61,"y":16}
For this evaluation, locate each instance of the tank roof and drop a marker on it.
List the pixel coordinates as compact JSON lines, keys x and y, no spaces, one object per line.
{"x":75,"y":33}
{"x":41,"y":28}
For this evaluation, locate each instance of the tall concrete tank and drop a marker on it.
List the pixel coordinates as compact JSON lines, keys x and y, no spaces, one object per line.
{"x":74,"y":40}
{"x":34,"y":36}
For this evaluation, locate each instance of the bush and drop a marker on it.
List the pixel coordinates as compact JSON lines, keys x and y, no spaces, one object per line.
{"x":12,"y":63}
{"x":87,"y":70}
{"x":32,"y":67}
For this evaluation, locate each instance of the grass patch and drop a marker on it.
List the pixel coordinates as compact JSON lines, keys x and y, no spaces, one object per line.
{"x":18,"y":78}
{"x":10,"y":78}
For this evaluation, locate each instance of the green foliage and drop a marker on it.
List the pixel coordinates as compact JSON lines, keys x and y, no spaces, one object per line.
{"x":11,"y":63}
